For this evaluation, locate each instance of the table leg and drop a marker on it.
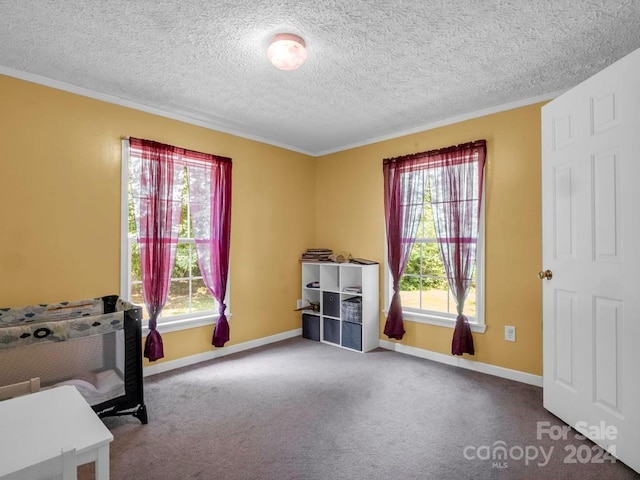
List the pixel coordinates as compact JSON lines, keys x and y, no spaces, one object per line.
{"x":102,"y":463}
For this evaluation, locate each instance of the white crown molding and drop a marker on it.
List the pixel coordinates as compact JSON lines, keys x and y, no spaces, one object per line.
{"x":85,"y":92}
{"x":448,"y":121}
{"x":494,"y":370}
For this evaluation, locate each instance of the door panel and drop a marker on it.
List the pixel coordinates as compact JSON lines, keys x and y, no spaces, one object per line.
{"x":607,"y":205}
{"x":563,"y":225}
{"x":607,"y":333}
{"x":564,"y":320}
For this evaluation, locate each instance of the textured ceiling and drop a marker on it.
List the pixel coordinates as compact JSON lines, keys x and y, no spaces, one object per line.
{"x":376,"y":68}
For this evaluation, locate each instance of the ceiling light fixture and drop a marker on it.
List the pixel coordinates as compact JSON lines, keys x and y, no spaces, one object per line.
{"x":287,"y":51}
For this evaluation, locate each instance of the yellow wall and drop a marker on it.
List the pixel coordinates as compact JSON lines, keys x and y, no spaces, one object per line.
{"x":350,"y":216}
{"x":60,"y":215}
{"x":60,"y":209}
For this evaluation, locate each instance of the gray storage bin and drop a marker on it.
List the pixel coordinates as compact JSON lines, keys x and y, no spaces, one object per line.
{"x":331,"y":304}
{"x":331,"y":330}
{"x":352,"y":335}
{"x":311,"y":327}
{"x":352,"y":310}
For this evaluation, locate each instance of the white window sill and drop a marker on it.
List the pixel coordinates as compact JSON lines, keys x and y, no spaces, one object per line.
{"x":438,"y":321}
{"x":176,"y":325}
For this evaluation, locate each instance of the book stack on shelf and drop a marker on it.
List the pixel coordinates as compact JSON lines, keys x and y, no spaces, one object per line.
{"x":316,"y":255}
{"x":352,"y":289}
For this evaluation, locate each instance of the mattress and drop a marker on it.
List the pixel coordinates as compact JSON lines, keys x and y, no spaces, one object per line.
{"x":98,"y":387}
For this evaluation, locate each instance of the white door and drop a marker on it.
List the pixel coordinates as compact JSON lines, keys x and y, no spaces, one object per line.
{"x":591,"y":245}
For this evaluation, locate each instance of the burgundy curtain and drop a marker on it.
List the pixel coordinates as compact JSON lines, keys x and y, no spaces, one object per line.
{"x":455,"y":178}
{"x":455,"y":181}
{"x":156,"y":182}
{"x":210,"y":203}
{"x":404,"y":187}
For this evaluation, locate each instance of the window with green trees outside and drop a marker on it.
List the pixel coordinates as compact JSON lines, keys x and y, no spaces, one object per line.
{"x":423,"y":287}
{"x":188,"y":295}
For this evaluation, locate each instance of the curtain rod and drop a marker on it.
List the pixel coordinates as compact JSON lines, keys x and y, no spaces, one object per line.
{"x":217,"y":157}
{"x":439,"y":151}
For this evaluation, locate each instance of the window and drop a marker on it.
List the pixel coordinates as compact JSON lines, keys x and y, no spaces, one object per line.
{"x":434,"y":223}
{"x":189,"y":301}
{"x":424,"y":290}
{"x":188,"y":295}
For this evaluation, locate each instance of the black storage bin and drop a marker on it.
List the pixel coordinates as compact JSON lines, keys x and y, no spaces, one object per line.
{"x":352,"y":335}
{"x":311,"y":327}
{"x":331,"y":304}
{"x":331,"y":330}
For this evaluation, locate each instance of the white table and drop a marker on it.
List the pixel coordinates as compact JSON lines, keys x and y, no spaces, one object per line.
{"x":34,"y":427}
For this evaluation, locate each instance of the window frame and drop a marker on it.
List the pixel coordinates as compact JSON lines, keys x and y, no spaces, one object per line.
{"x":164,"y":324}
{"x":444,"y":319}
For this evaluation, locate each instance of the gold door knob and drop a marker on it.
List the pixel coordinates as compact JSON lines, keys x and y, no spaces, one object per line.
{"x":546,"y":274}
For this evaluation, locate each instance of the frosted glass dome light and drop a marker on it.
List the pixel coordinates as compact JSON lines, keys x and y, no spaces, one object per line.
{"x":287,"y":51}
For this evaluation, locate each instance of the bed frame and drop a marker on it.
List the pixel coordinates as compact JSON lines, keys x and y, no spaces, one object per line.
{"x":60,"y":360}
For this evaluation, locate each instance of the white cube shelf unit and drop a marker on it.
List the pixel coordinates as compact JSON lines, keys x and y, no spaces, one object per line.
{"x":347,"y":318}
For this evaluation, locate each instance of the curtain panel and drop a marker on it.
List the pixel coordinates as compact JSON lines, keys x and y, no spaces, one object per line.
{"x":404,"y":187}
{"x":156,"y":176}
{"x":156,"y":182}
{"x":454,"y":176}
{"x":210,"y":203}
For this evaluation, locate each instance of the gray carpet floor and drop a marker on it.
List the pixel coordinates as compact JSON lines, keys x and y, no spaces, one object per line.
{"x":302,"y":410}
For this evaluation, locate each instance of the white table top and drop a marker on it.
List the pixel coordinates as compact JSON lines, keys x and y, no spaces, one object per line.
{"x":34,"y":428}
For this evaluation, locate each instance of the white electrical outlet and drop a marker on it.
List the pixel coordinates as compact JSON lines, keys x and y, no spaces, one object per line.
{"x":299,"y":304}
{"x":510,"y":333}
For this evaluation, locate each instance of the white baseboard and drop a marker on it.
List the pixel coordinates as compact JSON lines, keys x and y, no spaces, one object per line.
{"x":502,"y":372}
{"x":218,"y":352}
{"x":516,"y":375}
